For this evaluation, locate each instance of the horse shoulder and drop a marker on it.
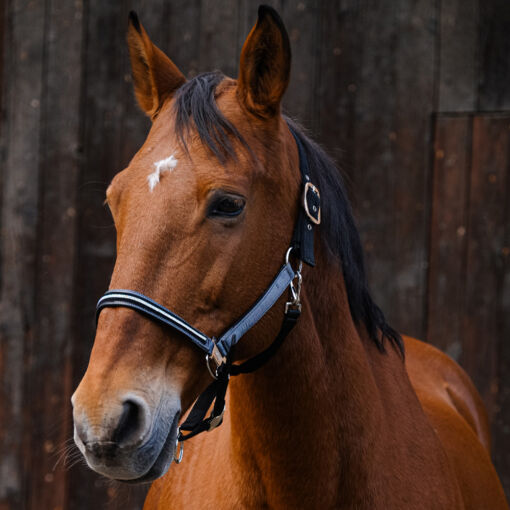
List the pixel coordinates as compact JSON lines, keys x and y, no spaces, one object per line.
{"x":458,"y":416}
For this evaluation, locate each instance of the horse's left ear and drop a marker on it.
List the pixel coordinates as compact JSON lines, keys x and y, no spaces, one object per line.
{"x":155,"y":76}
{"x":265,"y":65}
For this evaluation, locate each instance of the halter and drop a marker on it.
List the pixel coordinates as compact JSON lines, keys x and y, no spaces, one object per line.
{"x":217,"y":350}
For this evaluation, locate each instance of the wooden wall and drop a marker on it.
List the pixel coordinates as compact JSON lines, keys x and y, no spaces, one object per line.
{"x":402,"y":92}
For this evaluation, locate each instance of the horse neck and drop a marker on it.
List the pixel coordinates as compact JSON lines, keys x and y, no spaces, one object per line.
{"x":310,"y":416}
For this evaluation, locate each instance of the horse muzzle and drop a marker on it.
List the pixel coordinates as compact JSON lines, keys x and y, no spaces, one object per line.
{"x":127,"y":441}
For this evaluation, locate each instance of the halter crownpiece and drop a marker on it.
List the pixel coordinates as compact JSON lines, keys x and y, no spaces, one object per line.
{"x":217,"y":350}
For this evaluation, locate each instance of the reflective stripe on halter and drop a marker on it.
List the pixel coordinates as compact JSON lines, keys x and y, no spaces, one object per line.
{"x":158,"y":313}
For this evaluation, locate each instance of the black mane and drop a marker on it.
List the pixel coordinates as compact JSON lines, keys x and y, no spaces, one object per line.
{"x":195,"y":108}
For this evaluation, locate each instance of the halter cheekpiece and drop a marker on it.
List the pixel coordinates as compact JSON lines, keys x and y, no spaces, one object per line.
{"x":217,"y":350}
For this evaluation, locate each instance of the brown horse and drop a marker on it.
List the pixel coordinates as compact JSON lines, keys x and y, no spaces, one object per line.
{"x":339,"y":417}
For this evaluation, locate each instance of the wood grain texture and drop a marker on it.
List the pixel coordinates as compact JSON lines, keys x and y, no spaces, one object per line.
{"x":303,"y":25}
{"x":21,"y":134}
{"x":49,"y":382}
{"x":494,"y":69}
{"x":469,"y":277}
{"x":457,"y":44}
{"x":371,"y":80}
{"x":391,"y":150}
{"x":448,"y":232}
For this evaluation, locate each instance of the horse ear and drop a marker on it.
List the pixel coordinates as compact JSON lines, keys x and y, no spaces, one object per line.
{"x":155,"y":76}
{"x":265,"y":65}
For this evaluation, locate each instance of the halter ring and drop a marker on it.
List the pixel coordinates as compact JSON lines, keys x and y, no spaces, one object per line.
{"x":287,"y":260}
{"x":295,"y":288}
{"x":178,"y":456}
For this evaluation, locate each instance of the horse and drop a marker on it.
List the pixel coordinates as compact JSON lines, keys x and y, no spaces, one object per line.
{"x":343,"y":413}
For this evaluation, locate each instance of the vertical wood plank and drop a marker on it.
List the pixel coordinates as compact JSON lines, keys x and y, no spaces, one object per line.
{"x":501,"y":417}
{"x":486,"y":321}
{"x":494,"y":71}
{"x":448,"y":239}
{"x":219,"y":26}
{"x":392,"y":136}
{"x":458,"y":55}
{"x":341,"y":49}
{"x":18,"y":239}
{"x":3,"y":30}
{"x":486,"y":269}
{"x":302,"y":19}
{"x":49,"y":384}
{"x":183,"y":37}
{"x":469,"y":278}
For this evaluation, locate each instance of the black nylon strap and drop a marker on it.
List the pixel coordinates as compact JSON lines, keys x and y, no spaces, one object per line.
{"x":196,"y":422}
{"x":303,"y":236}
{"x":289,"y":321}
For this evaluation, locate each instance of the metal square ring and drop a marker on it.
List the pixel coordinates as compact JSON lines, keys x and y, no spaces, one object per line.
{"x":315,"y":190}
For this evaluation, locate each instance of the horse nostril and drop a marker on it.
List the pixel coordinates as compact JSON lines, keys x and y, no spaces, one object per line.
{"x":131,"y":426}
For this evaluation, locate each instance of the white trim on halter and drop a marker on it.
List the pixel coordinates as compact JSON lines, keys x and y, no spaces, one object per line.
{"x":164,"y":165}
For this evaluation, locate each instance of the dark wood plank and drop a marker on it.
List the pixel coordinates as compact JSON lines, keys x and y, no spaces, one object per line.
{"x":219,"y":29}
{"x":448,"y":229}
{"x":391,"y":153}
{"x":494,"y":68}
{"x":458,"y":55}
{"x":340,"y":55}
{"x":501,"y":417}
{"x":469,"y":277}
{"x":3,"y":30}
{"x":302,"y":20}
{"x":487,"y":269}
{"x":49,"y":385}
{"x":182,"y":42}
{"x":18,"y":236}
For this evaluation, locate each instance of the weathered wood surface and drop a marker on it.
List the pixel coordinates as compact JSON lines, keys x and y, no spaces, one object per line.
{"x":396,"y":91}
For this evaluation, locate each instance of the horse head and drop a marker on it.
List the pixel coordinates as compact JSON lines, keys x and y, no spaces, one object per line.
{"x":204,"y":214}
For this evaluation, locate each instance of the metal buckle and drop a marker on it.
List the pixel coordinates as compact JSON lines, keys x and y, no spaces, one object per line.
{"x":216,"y":420}
{"x":217,"y":357}
{"x":310,"y":186}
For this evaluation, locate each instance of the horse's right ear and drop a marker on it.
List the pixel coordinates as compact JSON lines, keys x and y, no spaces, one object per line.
{"x":155,"y":76}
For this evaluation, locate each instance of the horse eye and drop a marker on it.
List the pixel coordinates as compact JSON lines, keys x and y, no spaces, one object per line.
{"x":227,"y":206}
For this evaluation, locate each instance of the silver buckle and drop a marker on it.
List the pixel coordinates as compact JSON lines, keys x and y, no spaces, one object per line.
{"x":216,"y":421}
{"x":315,"y":190}
{"x":217,"y":357}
